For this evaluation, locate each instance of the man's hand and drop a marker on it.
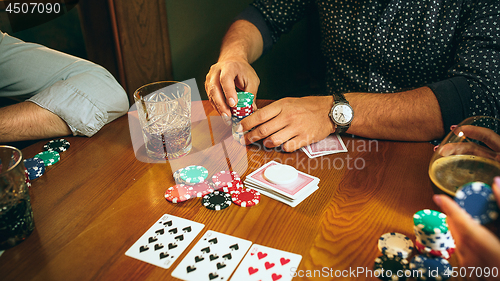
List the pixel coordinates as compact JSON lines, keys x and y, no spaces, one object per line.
{"x":476,"y":245}
{"x":241,"y":46}
{"x":222,"y":79}
{"x":291,"y":122}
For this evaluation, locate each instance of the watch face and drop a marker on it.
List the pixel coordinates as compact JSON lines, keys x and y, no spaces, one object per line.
{"x":342,"y":114}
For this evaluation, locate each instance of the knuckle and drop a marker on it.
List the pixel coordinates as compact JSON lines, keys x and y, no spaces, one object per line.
{"x":262,"y":130}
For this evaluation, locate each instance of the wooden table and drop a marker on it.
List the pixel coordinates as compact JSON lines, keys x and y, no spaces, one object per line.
{"x":99,"y":199}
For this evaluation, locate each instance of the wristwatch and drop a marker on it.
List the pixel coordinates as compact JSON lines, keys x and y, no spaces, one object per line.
{"x":341,"y":113}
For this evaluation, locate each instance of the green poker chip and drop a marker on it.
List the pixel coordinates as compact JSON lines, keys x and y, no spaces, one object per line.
{"x":48,"y":157}
{"x":193,"y":174}
{"x":430,"y":221}
{"x":244,"y":99}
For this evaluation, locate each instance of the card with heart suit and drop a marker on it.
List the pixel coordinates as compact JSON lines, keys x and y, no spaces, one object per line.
{"x":264,"y":263}
{"x":214,"y":257}
{"x":292,"y":190}
{"x":165,"y":241}
{"x":331,"y":144}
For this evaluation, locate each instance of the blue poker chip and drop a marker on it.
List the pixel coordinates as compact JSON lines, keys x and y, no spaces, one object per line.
{"x":35,"y":167}
{"x":430,"y":268}
{"x":477,"y":199}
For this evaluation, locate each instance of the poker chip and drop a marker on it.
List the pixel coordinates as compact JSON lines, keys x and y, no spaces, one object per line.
{"x":244,"y":99}
{"x":396,"y":244}
{"x":246,"y":197}
{"x":235,"y":187}
{"x":59,"y":145}
{"x":201,"y":189}
{"x":281,"y":174}
{"x":178,"y":193}
{"x":443,"y":253}
{"x":27,"y":178}
{"x":225,"y":178}
{"x":478,"y":200}
{"x":430,"y":221}
{"x":387,"y":267}
{"x":193,"y":174}
{"x":35,"y":167}
{"x":216,"y":200}
{"x":48,"y":157}
{"x":430,"y":268}
{"x":435,"y":241}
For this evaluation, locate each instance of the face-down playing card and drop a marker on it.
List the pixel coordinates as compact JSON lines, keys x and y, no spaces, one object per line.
{"x":214,"y":257}
{"x":264,"y":263}
{"x":165,"y":241}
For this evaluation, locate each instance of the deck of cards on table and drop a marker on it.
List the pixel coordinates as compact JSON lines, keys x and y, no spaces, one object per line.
{"x":330,"y":145}
{"x":282,"y":182}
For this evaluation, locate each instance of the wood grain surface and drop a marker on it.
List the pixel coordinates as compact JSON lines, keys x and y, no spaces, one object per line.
{"x":99,"y":199}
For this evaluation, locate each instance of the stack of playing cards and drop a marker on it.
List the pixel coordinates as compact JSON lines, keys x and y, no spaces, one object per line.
{"x":214,"y":257}
{"x":331,"y":144}
{"x":282,"y":182}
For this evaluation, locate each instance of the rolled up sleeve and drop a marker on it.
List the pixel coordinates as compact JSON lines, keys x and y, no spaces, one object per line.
{"x":83,"y":94}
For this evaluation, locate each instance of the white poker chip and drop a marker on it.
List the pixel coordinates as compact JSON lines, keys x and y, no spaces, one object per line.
{"x":395,"y":244}
{"x":281,"y":174}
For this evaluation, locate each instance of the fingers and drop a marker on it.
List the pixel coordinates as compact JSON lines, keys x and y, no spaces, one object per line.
{"x":264,"y":123}
{"x":496,"y":189}
{"x":466,"y":148}
{"x":223,"y":79}
{"x":485,"y":135}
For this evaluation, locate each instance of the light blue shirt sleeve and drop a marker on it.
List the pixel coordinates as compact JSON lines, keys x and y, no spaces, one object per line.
{"x":85,"y":95}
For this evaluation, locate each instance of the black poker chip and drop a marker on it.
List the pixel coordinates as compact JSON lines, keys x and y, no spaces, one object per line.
{"x":59,"y":145}
{"x":390,"y":267}
{"x":217,"y":200}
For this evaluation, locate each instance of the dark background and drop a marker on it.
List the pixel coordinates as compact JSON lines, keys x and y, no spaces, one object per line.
{"x":196,"y":27}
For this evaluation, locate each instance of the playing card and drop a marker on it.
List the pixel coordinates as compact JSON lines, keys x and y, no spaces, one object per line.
{"x":214,"y":257}
{"x":291,"y":190}
{"x":264,"y":263}
{"x":284,"y":199}
{"x":165,"y":241}
{"x":331,"y":144}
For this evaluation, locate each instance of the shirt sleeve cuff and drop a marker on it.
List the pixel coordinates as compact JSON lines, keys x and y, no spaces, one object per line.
{"x":454,"y":98}
{"x":252,"y":15}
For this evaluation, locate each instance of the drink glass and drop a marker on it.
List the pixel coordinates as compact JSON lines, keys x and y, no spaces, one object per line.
{"x":470,"y":152}
{"x":16,"y":216}
{"x":164,"y":110}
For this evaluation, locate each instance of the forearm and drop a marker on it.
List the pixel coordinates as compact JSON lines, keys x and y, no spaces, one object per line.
{"x":413,"y":115}
{"x":28,"y":121}
{"x":242,"y":41}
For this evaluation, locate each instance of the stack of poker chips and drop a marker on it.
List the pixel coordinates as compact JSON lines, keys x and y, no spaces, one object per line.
{"x":242,"y":110}
{"x":430,"y":268}
{"x":225,"y":188}
{"x":395,"y":248}
{"x":36,"y":166}
{"x":432,"y":234}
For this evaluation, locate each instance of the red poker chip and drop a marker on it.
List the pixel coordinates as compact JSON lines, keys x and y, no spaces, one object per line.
{"x":225,"y":178}
{"x":250,"y":107}
{"x":445,"y":253}
{"x":179,"y":193}
{"x":242,"y":114}
{"x":235,"y":185}
{"x":241,"y":111}
{"x":201,"y":189}
{"x":245,"y":197}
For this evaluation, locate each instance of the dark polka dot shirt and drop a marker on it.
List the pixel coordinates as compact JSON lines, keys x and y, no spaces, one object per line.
{"x":383,"y":46}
